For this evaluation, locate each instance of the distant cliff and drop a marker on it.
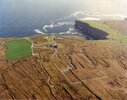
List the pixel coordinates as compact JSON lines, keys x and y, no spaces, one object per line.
{"x":90,"y":31}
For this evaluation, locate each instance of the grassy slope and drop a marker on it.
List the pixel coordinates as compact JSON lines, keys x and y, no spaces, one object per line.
{"x":113,"y":34}
{"x":17,"y":49}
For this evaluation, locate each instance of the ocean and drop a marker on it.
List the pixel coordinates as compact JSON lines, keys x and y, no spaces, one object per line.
{"x":19,"y":18}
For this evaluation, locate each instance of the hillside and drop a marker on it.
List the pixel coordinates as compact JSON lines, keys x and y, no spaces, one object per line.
{"x":78,"y":69}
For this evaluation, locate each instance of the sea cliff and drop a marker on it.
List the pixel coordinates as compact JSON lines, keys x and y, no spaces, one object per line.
{"x":90,"y":31}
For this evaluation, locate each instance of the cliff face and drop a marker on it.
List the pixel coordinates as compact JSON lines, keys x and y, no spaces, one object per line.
{"x":90,"y":31}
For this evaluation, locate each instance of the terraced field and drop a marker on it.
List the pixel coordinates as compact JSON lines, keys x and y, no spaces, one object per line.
{"x":77,"y":70}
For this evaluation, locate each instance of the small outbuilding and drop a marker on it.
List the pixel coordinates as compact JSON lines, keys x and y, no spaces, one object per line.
{"x":54,"y":45}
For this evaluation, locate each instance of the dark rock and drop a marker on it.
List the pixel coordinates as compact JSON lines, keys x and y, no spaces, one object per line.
{"x":90,"y":31}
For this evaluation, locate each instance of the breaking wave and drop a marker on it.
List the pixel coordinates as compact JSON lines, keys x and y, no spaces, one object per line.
{"x":52,"y":25}
{"x":63,"y":25}
{"x":38,"y":31}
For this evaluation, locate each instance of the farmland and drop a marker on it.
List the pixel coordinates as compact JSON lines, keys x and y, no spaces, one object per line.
{"x":17,"y":49}
{"x":78,"y":69}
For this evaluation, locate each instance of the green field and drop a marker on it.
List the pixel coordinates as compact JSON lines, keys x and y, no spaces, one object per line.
{"x":18,"y":49}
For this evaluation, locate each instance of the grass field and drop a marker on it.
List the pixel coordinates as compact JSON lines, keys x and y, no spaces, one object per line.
{"x":18,"y":49}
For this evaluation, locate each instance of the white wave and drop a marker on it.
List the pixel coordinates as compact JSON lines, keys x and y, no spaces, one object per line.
{"x":68,"y":32}
{"x":75,"y":15}
{"x":61,"y":33}
{"x":71,"y":29}
{"x":57,"y":25}
{"x":38,"y":31}
{"x":74,"y":33}
{"x":91,"y":18}
{"x":67,"y":20}
{"x":78,"y":14}
{"x":46,"y":26}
